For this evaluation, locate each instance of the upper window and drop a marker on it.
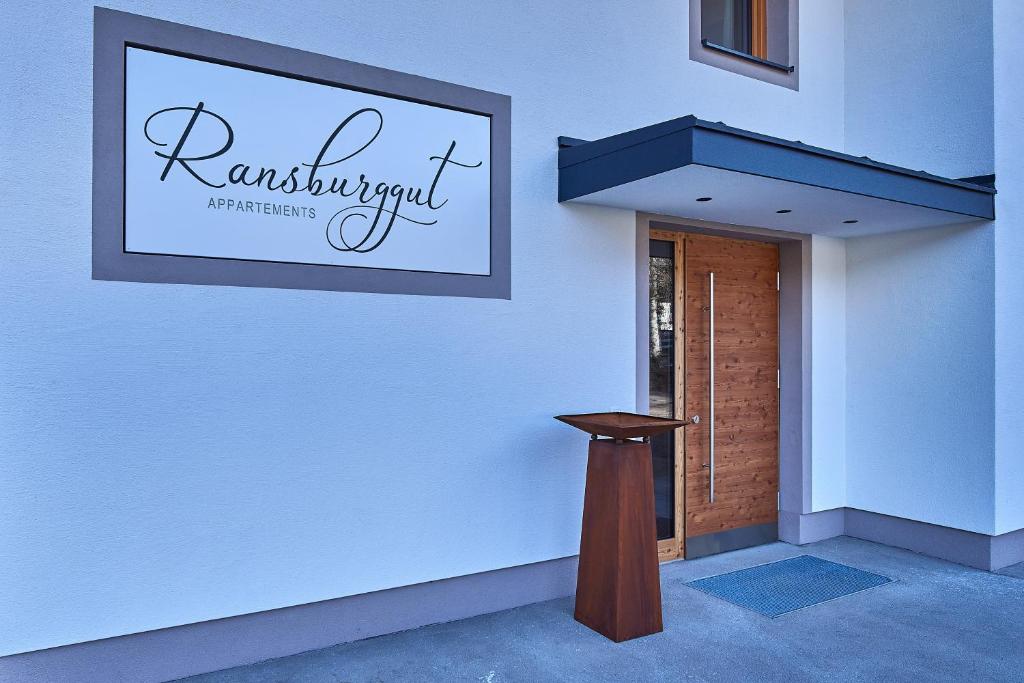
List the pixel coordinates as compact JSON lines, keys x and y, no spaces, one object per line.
{"x":753,"y":37}
{"x":735,"y":24}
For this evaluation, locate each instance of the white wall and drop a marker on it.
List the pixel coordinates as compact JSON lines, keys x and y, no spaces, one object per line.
{"x":1009,"y":277}
{"x":918,"y":77}
{"x":178,"y":453}
{"x":920,"y":310}
{"x":828,"y":373}
{"x":919,"y":375}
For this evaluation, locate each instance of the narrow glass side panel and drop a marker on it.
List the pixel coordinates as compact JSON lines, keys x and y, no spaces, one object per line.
{"x":662,"y":379}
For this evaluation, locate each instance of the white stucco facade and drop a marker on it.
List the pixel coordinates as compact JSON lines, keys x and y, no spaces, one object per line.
{"x":1009,"y":277}
{"x":180,"y":453}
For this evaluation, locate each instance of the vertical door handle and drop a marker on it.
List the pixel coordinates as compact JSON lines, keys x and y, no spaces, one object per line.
{"x":711,"y":390}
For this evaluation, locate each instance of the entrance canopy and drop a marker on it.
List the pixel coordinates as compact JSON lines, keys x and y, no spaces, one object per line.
{"x":709,"y":171}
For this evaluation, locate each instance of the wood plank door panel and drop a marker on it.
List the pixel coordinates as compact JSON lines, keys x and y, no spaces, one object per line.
{"x":746,"y":390}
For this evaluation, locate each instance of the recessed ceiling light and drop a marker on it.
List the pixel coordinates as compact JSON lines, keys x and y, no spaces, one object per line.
{"x":852,"y":220}
{"x":784,"y":211}
{"x":703,"y":199}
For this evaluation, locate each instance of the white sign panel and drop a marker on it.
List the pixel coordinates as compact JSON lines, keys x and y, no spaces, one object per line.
{"x":227,"y":162}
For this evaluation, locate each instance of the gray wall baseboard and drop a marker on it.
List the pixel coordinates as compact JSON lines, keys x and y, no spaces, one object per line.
{"x":206,"y":646}
{"x":981,"y":551}
{"x":816,"y":526}
{"x":1007,"y":549}
{"x":963,"y":547}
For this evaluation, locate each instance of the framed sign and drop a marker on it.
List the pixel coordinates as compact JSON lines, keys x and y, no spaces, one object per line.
{"x":222,"y":160}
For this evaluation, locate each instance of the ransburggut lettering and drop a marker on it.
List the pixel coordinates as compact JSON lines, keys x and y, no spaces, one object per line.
{"x":361,"y":227}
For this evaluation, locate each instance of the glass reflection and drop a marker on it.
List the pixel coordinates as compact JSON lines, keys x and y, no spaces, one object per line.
{"x":726,"y":23}
{"x":662,"y":379}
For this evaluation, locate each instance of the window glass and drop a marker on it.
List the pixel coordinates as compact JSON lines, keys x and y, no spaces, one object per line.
{"x":662,"y":380}
{"x":727,"y":23}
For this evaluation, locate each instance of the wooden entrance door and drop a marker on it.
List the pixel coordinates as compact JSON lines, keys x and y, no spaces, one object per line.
{"x":742,"y":275}
{"x":732,"y":492}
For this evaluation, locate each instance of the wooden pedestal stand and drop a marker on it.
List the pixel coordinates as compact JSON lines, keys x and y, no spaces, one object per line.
{"x":618,"y":590}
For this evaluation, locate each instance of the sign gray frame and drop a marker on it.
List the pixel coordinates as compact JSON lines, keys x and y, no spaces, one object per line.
{"x":113,"y":30}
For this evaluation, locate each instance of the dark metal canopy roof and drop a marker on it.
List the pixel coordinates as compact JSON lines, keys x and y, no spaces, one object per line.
{"x":657,"y":168}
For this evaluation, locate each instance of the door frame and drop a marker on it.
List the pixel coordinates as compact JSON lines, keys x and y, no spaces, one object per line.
{"x":794,"y":359}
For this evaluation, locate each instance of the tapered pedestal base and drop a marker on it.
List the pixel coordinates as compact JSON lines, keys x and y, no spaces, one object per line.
{"x":618,"y":592}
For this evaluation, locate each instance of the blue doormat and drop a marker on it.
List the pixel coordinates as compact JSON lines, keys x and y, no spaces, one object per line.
{"x":787,"y":585}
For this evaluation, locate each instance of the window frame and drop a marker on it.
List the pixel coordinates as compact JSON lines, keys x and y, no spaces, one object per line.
{"x":754,"y":64}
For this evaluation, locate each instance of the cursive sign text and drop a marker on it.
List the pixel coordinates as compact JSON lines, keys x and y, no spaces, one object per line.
{"x":372,"y":205}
